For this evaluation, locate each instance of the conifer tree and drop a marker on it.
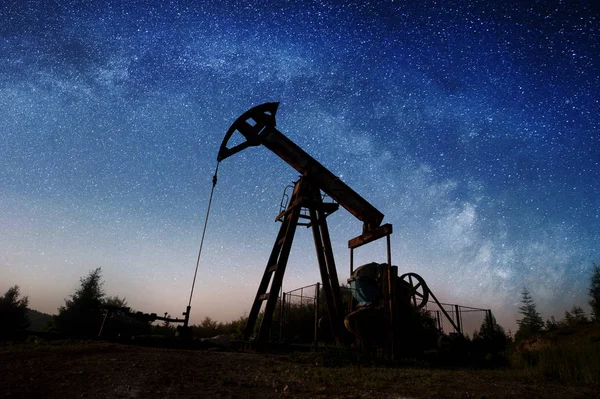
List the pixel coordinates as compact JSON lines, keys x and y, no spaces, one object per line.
{"x":82,"y":314}
{"x":532,"y":323}
{"x":575,"y":316}
{"x":490,"y":327}
{"x":551,"y":324}
{"x":491,"y":334}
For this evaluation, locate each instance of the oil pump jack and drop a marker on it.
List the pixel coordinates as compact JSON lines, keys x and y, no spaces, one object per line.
{"x":385,"y":306}
{"x":306,"y":207}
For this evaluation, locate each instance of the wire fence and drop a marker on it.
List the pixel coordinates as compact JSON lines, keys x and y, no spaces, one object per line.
{"x":300,"y":315}
{"x":452,"y":318}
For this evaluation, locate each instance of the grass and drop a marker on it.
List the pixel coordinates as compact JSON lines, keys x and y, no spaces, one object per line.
{"x":416,"y":380}
{"x":99,"y":369}
{"x":562,"y":364}
{"x":571,"y":356}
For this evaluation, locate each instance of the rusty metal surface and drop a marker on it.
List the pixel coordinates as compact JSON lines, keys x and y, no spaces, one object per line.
{"x":417,"y":288}
{"x":249,"y":125}
{"x":306,"y":195}
{"x":370,"y":236}
{"x":257,"y":126}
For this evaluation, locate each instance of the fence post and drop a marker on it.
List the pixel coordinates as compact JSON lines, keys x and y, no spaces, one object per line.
{"x":316,"y":303}
{"x":281,"y":316}
{"x":458,"y":321}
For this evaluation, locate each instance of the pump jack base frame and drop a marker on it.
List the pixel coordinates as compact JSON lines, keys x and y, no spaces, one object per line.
{"x":307,"y":196}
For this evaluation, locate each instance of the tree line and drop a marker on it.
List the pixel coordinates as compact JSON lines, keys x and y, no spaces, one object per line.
{"x":532,"y":324}
{"x":84,"y":312}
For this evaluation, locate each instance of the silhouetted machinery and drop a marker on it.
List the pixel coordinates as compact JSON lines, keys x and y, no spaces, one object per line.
{"x":384,"y":296}
{"x":412,"y":327}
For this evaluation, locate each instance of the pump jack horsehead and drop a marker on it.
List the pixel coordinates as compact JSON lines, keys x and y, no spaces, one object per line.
{"x":307,"y":208}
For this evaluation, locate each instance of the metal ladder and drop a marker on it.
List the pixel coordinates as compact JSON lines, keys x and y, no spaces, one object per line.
{"x":275,"y":269}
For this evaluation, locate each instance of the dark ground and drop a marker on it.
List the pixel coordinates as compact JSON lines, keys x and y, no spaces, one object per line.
{"x":104,"y":370}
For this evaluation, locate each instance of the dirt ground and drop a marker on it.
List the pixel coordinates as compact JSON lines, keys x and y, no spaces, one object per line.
{"x":104,"y":370}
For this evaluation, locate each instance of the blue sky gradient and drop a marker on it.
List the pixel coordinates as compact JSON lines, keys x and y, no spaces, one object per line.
{"x":473,"y":126}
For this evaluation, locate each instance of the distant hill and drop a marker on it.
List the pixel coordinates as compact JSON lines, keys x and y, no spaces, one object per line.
{"x":39,"y":321}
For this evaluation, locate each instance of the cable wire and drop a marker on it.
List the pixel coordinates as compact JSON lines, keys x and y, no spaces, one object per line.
{"x":214,"y":183}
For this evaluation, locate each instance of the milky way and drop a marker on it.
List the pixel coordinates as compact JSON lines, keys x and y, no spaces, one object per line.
{"x":473,"y":127}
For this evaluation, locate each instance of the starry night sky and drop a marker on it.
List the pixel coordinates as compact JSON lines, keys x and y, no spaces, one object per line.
{"x":473,"y":126}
